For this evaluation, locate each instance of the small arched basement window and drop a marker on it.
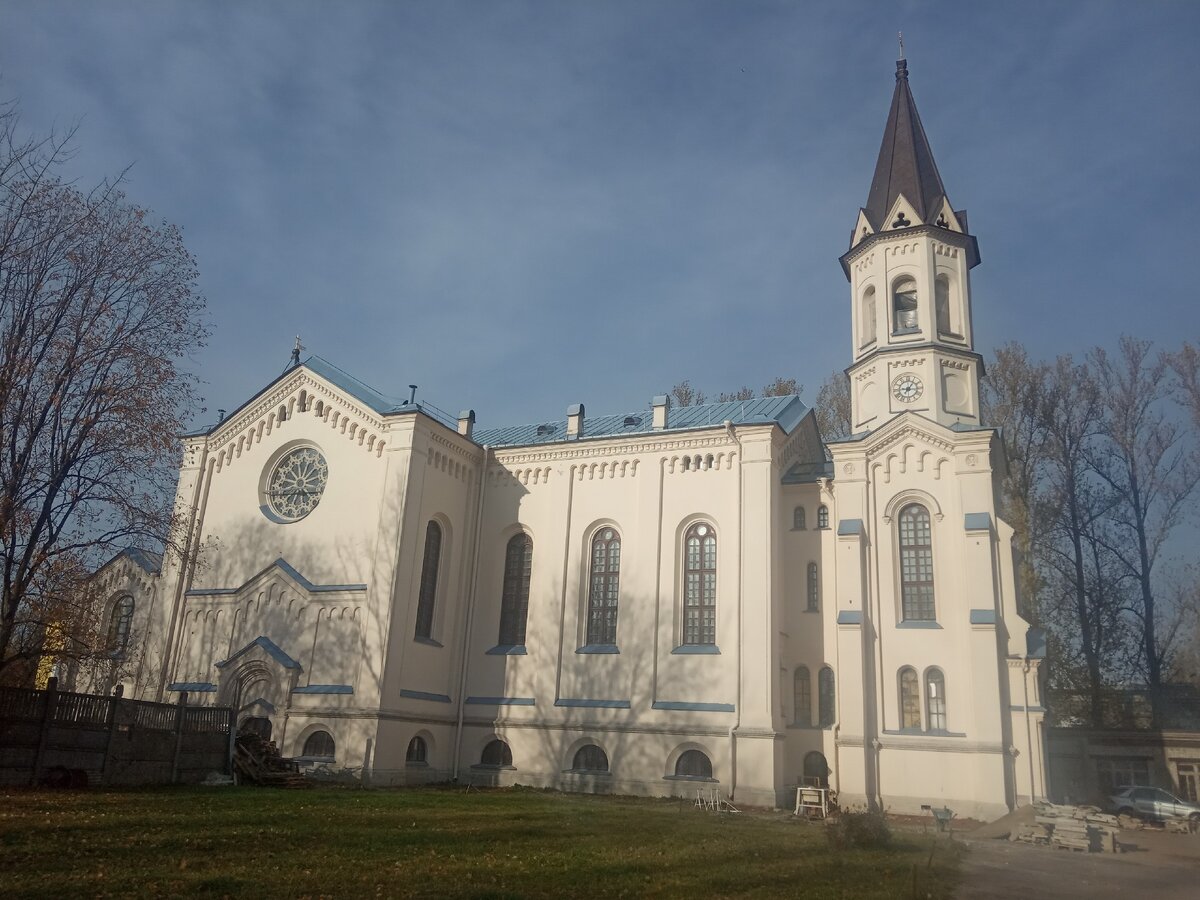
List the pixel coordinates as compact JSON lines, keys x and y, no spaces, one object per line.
{"x":496,"y":754}
{"x":417,"y":751}
{"x":693,"y":764}
{"x":590,"y":758}
{"x":319,"y":744}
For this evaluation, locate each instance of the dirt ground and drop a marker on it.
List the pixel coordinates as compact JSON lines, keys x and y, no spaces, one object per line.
{"x":1156,"y":865}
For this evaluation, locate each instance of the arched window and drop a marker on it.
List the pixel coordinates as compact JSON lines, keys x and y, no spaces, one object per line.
{"x":802,"y":695}
{"x":514,"y":602}
{"x":429,"y":579}
{"x":916,"y":564}
{"x":604,"y":588}
{"x":822,"y":516}
{"x":935,"y":699}
{"x":798,"y":522}
{"x":693,"y":764}
{"x":119,"y":624}
{"x":904,"y":305}
{"x":700,"y":585}
{"x":814,"y":588}
{"x":941,"y":301}
{"x":497,"y":754}
{"x":319,"y":743}
{"x":816,"y":769}
{"x":825,"y":699}
{"x":590,"y":758}
{"x":867,"y":326}
{"x":417,"y":750}
{"x":910,"y":699}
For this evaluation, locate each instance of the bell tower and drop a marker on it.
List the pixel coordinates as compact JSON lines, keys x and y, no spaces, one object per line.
{"x":909,"y":267}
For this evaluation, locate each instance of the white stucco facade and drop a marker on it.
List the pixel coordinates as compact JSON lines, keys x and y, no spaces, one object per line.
{"x":774,"y":597}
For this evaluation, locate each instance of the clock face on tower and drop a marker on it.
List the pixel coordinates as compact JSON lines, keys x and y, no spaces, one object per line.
{"x":907,"y":388}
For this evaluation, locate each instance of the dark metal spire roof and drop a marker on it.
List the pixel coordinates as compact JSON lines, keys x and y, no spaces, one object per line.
{"x":905,"y":163}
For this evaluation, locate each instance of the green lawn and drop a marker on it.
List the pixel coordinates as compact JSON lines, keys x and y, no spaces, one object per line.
{"x":432,"y":842}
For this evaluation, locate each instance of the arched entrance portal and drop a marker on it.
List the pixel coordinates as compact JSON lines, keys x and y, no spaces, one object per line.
{"x":816,"y":770}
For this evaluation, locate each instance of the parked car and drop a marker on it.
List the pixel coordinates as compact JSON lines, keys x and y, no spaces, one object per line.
{"x":1154,"y":804}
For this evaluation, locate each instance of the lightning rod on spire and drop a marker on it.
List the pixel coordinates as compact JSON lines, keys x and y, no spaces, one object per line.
{"x":900,"y":37}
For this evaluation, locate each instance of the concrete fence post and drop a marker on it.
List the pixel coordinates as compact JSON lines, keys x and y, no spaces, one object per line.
{"x":114,"y":703}
{"x":179,"y":711}
{"x":50,"y":704}
{"x":232,"y":739}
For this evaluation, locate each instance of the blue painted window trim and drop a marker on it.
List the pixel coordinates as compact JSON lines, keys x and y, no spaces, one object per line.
{"x":427,"y":641}
{"x":682,"y":706}
{"x":500,"y":701}
{"x":983,"y":617}
{"x":697,"y":650}
{"x":850,"y":617}
{"x":919,"y":623}
{"x":424,"y":695}
{"x":507,"y":650}
{"x":192,"y":687}
{"x":598,"y":648}
{"x":592,"y":704}
{"x":324,"y":689}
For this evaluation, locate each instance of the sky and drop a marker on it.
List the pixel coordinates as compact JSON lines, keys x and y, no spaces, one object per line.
{"x":519,"y":206}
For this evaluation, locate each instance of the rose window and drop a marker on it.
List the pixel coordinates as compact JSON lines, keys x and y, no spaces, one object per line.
{"x":296,"y":485}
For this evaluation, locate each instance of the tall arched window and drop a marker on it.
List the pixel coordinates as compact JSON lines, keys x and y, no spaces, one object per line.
{"x":429,"y":579}
{"x":941,"y":301}
{"x":605,"y":587}
{"x":935,"y":699}
{"x":814,"y":588}
{"x":496,"y":753}
{"x":320,"y":744}
{"x":119,"y":624}
{"x":825,"y":699}
{"x":916,"y":564}
{"x":590,"y":758}
{"x":822,"y":516}
{"x":514,"y":601}
{"x":904,"y":305}
{"x":867,"y":326}
{"x":798,"y":518}
{"x":693,"y":764}
{"x":910,"y":699}
{"x":802,"y":694}
{"x":700,"y":585}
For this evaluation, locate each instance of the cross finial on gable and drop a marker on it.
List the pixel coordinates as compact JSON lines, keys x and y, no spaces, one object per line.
{"x":295,"y":360}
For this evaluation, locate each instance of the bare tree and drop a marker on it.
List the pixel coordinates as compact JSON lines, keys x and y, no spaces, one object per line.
{"x":1145,"y":460}
{"x":833,"y":407}
{"x":686,"y":395}
{"x":97,"y":306}
{"x":1186,"y":366}
{"x":782,"y":387}
{"x":742,"y":393}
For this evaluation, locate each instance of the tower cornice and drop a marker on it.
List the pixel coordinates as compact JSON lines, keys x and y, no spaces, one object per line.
{"x":966,"y":242}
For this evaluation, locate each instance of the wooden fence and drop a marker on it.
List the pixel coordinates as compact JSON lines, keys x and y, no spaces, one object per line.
{"x":55,"y":736}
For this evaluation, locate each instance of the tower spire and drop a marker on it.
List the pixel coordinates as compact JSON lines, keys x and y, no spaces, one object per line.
{"x":905,"y":165}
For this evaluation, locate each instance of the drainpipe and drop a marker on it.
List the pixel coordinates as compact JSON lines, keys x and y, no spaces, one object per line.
{"x":1028,"y":726}
{"x":168,"y":648}
{"x":466,"y":640}
{"x":737,"y":714}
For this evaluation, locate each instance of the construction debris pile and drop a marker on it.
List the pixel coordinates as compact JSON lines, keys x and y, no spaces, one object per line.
{"x":257,"y":761}
{"x":1082,"y":828}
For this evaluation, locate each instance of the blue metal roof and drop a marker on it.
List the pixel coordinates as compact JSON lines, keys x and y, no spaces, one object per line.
{"x":786,"y":412}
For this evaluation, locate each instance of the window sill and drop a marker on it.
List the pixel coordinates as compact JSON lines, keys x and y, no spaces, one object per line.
{"x":594,"y":773}
{"x":915,"y":732}
{"x":901,"y":332}
{"x":416,"y":764}
{"x":792,"y":726}
{"x":315,"y":759}
{"x":812,"y":609}
{"x":700,"y":779}
{"x":697,"y":650}
{"x":919,"y":623}
{"x":428,"y":641}
{"x":482,"y":767}
{"x":598,"y":648}
{"x":507,"y":650}
{"x":794,"y":528}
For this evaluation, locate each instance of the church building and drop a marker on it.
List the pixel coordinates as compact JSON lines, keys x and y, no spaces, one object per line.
{"x":707,"y":597}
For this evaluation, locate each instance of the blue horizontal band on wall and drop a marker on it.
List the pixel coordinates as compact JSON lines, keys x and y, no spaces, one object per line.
{"x":697,"y":649}
{"x":850,"y":617}
{"x":849,"y":527}
{"x":977,"y":522}
{"x":680,"y":706}
{"x":598,"y":648}
{"x":324,"y":689}
{"x":424,"y":695}
{"x":500,"y":701}
{"x":983,"y":617}
{"x":193,"y":687}
{"x":594,"y":704}
{"x":918,"y":623}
